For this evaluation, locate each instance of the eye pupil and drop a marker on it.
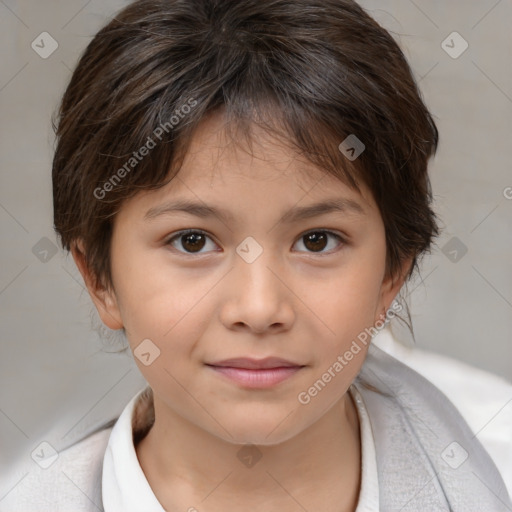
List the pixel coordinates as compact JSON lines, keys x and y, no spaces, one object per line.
{"x":318,"y":240}
{"x":196,"y":240}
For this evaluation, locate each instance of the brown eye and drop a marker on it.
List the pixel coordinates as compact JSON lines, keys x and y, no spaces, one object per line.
{"x":317,"y":241}
{"x":192,"y":241}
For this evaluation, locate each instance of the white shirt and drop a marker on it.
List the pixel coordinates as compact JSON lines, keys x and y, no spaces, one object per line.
{"x":72,"y":482}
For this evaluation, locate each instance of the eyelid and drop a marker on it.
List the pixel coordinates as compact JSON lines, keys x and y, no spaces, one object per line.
{"x":334,"y":232}
{"x":177,"y":234}
{"x":342,"y":238}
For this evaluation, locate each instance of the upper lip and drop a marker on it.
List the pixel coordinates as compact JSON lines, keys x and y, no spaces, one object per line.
{"x":255,"y":364}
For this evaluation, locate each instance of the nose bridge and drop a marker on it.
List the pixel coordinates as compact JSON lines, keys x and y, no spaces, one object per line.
{"x":258,"y":297}
{"x":255,"y":266}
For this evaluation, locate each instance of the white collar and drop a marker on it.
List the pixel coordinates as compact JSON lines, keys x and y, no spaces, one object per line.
{"x":124,"y":484}
{"x":369,"y":493}
{"x":125,"y":487}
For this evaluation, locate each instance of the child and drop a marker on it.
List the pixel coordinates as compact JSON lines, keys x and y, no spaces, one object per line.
{"x":243,"y":186}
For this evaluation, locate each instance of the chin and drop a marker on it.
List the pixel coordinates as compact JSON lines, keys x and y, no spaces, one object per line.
{"x":262,"y":431}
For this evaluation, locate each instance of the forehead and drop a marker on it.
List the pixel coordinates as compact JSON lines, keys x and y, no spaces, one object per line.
{"x":218,"y":157}
{"x":229,"y":177}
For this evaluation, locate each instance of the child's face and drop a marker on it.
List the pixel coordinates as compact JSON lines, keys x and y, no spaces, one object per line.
{"x":302,"y":300}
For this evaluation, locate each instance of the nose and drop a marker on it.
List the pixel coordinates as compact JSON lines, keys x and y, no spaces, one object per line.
{"x":258,"y":299}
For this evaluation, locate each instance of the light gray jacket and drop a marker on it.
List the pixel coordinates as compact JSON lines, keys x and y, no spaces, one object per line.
{"x":428,"y":458}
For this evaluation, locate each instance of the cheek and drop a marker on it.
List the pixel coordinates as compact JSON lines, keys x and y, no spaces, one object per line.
{"x":155,"y":296}
{"x":171,"y":315}
{"x":347,"y":304}
{"x":346,"y":308}
{"x":173,"y":308}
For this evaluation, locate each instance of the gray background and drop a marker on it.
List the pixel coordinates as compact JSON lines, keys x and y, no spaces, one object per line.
{"x":59,"y":379}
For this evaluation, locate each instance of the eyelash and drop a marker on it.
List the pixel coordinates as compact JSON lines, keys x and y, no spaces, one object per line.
{"x":179,"y":234}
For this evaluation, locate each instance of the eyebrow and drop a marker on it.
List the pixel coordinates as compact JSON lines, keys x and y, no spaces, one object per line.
{"x":297,"y":213}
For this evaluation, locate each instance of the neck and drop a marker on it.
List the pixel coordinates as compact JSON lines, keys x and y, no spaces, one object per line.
{"x":319,"y":469}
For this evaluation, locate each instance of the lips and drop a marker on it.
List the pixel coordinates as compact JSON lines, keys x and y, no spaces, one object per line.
{"x":255,"y":364}
{"x":256,"y":373}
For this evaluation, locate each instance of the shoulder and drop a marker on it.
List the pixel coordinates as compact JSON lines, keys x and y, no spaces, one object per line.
{"x":70,"y":482}
{"x":482,"y":398}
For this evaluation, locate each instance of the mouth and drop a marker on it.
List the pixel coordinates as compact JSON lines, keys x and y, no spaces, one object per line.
{"x":256,"y":373}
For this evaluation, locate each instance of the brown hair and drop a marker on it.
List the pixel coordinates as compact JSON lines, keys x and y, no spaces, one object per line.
{"x":312,"y":72}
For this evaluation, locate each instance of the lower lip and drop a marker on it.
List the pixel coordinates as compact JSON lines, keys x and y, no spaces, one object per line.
{"x":258,"y":379}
